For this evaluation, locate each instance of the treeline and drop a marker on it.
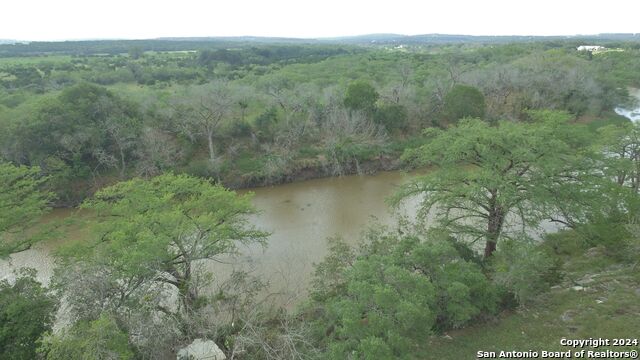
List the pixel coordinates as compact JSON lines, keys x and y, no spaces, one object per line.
{"x":115,"y":47}
{"x":88,"y":121}
{"x":45,"y":73}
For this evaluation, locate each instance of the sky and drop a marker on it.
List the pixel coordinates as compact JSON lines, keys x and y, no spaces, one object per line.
{"x":34,"y":20}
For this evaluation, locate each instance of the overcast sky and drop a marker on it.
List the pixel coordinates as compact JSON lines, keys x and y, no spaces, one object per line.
{"x":136,"y":19}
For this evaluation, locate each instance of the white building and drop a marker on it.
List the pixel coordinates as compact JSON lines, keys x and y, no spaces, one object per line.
{"x":590,"y":48}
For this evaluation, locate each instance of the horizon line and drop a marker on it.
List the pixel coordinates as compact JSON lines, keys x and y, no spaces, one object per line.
{"x":313,"y":38}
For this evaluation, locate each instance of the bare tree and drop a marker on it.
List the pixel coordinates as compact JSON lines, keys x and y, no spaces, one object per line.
{"x":203,"y":111}
{"x":158,"y":151}
{"x":348,"y":128}
{"x":397,"y":90}
{"x":122,"y":128}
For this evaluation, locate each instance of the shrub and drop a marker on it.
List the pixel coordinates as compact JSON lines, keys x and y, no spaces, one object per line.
{"x":88,"y":340}
{"x":395,"y":289}
{"x":26,"y":312}
{"x":524,"y":269}
{"x":385,"y":309}
{"x":611,"y":232}
{"x":265,"y":121}
{"x":393,"y":117}
{"x":202,"y":168}
{"x":463,"y":101}
{"x":566,"y":242}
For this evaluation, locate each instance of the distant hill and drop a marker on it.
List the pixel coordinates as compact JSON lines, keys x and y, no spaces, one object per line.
{"x":10,"y":48}
{"x":457,"y":39}
{"x":257,"y":39}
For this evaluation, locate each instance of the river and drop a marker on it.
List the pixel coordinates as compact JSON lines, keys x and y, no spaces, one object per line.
{"x":300,"y":217}
{"x":634,"y":113}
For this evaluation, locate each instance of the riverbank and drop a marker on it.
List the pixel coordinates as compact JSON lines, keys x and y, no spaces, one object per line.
{"x":253,"y":169}
{"x":309,"y":169}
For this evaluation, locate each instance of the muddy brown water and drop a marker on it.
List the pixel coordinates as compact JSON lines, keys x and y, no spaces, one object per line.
{"x":300,"y":216}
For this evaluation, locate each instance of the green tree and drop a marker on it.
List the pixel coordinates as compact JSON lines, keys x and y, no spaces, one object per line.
{"x":393,"y":117}
{"x":86,"y":126}
{"x":486,"y":176}
{"x":100,"y":339}
{"x":361,"y":96}
{"x":26,"y":312}
{"x":122,"y":128}
{"x":135,"y":52}
{"x":380,"y":300}
{"x":463,"y":101}
{"x":22,"y":203}
{"x":384,"y":308}
{"x":522,"y":268}
{"x":265,"y":122}
{"x":157,"y":231}
{"x":622,"y":145}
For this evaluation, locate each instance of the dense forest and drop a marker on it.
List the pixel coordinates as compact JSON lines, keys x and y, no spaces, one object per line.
{"x":149,"y":139}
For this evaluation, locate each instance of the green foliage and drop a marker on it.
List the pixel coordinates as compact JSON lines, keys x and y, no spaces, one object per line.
{"x":85,"y":126}
{"x":622,"y":145}
{"x":361,"y":96}
{"x":266,"y":121}
{"x":92,"y":138}
{"x":463,"y":292}
{"x":565,"y":242}
{"x":614,"y":232}
{"x":202,"y":168}
{"x":524,"y":269}
{"x":239,"y":128}
{"x":385,"y":308}
{"x":26,"y":312}
{"x":483,"y":175}
{"x":329,"y":276}
{"x":381,"y":300}
{"x":22,"y":202}
{"x":393,"y":117}
{"x":164,"y":225}
{"x":136,"y":52}
{"x":463,"y":101}
{"x":88,"y":340}
{"x":603,"y":310}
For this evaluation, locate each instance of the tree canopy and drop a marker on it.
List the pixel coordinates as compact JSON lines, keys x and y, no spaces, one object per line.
{"x":361,"y":96}
{"x":27,"y":311}
{"x":156,"y":231}
{"x":463,"y":101}
{"x":393,"y":290}
{"x":22,"y":202}
{"x":485,"y":177}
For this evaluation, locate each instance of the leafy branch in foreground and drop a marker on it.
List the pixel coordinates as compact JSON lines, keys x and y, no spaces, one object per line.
{"x":147,"y":264}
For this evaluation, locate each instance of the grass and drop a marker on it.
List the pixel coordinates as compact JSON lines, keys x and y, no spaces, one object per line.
{"x":607,"y":307}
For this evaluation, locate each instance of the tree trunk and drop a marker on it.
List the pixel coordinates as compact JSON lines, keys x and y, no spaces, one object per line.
{"x":494,"y":225}
{"x":122,"y":162}
{"x":188,"y":295}
{"x":212,"y":156}
{"x":489,"y":248}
